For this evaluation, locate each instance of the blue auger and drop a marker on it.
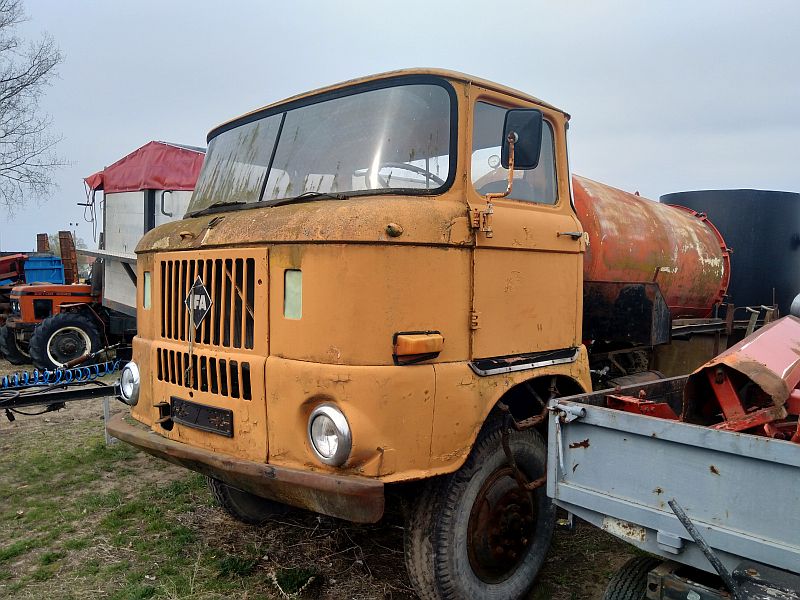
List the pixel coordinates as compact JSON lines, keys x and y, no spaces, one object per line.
{"x":58,"y":376}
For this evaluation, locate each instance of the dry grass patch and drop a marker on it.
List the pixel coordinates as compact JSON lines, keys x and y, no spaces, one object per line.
{"x":79,"y":519}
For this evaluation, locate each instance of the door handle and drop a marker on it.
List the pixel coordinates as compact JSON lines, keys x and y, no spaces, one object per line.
{"x":575,"y":235}
{"x":163,"y":211}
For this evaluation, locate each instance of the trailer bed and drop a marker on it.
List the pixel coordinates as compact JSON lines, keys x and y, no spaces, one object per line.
{"x":618,"y":470}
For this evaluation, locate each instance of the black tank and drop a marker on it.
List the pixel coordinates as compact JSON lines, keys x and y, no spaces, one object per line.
{"x":763,"y":230}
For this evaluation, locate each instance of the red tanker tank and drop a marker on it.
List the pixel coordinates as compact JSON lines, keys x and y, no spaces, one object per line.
{"x":632,"y":239}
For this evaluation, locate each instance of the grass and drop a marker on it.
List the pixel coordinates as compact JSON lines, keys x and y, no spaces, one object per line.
{"x":77,"y":516}
{"x":79,"y":519}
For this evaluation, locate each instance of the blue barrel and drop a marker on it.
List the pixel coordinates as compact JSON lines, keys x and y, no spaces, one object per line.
{"x":44,"y":268}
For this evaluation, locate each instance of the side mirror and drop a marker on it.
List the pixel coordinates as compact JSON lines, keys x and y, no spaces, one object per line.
{"x":527,"y":124}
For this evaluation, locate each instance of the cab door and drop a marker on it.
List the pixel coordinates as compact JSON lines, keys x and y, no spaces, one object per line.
{"x":527,"y":291}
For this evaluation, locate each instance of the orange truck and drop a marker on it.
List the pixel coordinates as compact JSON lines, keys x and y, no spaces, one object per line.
{"x":377,"y":287}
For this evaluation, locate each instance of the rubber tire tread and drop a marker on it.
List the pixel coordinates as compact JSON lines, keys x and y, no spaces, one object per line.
{"x":418,"y":549}
{"x":244,"y":506}
{"x":630,"y":582}
{"x":426,"y":565}
{"x":45,"y":330}
{"x":8,"y":346}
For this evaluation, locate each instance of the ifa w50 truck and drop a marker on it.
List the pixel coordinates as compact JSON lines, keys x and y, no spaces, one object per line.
{"x":377,"y":287}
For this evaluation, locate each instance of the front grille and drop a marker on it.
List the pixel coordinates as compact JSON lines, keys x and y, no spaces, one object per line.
{"x":231,"y":283}
{"x":208,"y":374}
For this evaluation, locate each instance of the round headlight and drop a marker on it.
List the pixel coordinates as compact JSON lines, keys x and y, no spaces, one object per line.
{"x":129,"y":384}
{"x":329,"y":435}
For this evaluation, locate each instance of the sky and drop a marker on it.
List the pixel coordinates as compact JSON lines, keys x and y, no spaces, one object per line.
{"x":665,"y":96}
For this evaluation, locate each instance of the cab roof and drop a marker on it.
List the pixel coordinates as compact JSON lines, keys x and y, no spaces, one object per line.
{"x":443,"y":73}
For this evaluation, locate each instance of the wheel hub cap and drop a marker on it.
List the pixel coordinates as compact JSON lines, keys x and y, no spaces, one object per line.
{"x":67,"y":345}
{"x":501,"y":527}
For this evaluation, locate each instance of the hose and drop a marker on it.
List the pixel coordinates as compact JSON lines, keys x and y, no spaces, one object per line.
{"x":25,"y":379}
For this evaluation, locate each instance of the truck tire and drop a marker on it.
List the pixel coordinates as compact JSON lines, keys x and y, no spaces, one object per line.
{"x":10,"y":347}
{"x":475,"y":533}
{"x":630,"y":582}
{"x":244,"y":506}
{"x":62,"y":338}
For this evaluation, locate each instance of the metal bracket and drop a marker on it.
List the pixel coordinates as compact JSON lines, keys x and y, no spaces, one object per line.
{"x":669,"y":542}
{"x":482,"y":219}
{"x":568,"y":413}
{"x":509,"y":423}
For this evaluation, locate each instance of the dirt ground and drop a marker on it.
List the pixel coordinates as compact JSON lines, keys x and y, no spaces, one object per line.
{"x":80,"y":519}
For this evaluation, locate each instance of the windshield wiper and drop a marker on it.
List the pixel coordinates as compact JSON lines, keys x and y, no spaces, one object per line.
{"x":211,"y":208}
{"x":304,"y":197}
{"x":307,"y":196}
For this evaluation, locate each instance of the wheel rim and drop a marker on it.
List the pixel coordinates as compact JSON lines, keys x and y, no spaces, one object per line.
{"x":22,"y":347}
{"x":501,"y":527}
{"x":67,"y":344}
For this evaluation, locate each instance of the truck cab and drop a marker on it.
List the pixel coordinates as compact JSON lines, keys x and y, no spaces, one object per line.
{"x":361,"y":295}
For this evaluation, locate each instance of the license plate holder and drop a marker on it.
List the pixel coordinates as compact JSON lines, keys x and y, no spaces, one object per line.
{"x":203,"y":417}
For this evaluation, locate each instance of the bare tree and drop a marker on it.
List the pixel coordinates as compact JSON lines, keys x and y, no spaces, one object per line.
{"x":27,"y":148}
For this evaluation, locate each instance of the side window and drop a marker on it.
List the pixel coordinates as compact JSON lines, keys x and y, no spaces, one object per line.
{"x":534,"y":185}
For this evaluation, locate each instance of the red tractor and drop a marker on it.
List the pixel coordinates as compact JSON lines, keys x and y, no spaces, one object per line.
{"x":55,"y":324}
{"x":51,"y":324}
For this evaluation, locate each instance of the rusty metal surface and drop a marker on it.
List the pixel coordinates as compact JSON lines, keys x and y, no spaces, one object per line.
{"x":673,"y":581}
{"x":749,"y":386}
{"x":641,"y":406}
{"x":738,"y":489}
{"x":637,"y":240}
{"x":354,"y":499}
{"x":634,"y":313}
{"x":425,"y":220}
{"x":685,"y":355}
{"x":770,"y":358}
{"x":42,"y":243}
{"x":68,"y":257}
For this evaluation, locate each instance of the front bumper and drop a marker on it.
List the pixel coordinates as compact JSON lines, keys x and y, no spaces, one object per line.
{"x":351,"y":498}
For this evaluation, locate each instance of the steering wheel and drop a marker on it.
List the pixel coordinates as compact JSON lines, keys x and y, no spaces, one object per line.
{"x":406,"y":167}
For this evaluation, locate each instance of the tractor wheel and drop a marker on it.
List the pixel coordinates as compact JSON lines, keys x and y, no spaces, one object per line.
{"x":244,"y":506}
{"x":11,"y":348}
{"x":476,"y":533}
{"x":630,"y":582}
{"x":62,"y":338}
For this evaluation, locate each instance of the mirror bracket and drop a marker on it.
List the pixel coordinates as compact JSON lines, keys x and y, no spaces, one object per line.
{"x":482,"y":219}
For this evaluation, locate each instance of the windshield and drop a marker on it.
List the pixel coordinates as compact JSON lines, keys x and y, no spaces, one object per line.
{"x":391,"y":138}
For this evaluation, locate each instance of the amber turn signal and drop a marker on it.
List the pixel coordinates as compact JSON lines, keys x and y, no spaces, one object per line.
{"x":416,"y":346}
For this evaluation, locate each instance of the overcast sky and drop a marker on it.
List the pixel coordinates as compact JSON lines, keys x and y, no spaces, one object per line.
{"x":664,"y":96}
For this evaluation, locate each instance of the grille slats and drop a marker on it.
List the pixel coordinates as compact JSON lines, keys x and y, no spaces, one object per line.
{"x":237,"y":303}
{"x":223,"y":377}
{"x":226,"y":306}
{"x":217,"y":306}
{"x":207,"y":373}
{"x":230,"y":282}
{"x":249,"y":296}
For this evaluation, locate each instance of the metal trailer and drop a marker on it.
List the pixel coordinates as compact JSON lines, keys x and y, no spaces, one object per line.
{"x":688,"y":493}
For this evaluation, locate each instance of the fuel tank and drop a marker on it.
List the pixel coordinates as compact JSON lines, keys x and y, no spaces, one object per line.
{"x":636,"y":240}
{"x":763,"y":228}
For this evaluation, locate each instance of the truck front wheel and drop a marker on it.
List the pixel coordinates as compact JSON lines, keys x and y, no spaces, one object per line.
{"x":477,"y":533}
{"x":243,"y":506}
{"x":61,"y":338}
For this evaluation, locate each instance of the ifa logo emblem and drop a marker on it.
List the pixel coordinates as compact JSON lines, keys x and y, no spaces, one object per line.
{"x":198,"y":302}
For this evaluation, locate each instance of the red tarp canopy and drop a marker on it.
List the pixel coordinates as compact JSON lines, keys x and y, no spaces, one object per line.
{"x":154,"y":166}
